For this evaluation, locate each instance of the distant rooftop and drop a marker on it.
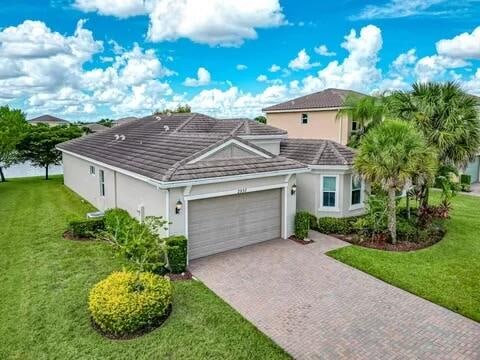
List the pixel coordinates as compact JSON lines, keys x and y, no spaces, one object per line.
{"x":48,"y":119}
{"x":328,"y":98}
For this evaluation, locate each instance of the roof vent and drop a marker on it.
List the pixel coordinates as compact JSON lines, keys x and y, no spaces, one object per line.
{"x":117,"y":136}
{"x":166,"y":128}
{"x":158,"y":118}
{"x":122,"y":137}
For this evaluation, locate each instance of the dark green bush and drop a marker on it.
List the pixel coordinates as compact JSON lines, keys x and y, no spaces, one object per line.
{"x":465,"y":179}
{"x":313,"y":222}
{"x":331,"y":225}
{"x":176,"y":253}
{"x":85,"y":228}
{"x":302,"y":224}
{"x":136,"y":241}
{"x":406,"y":230}
{"x":117,"y":220}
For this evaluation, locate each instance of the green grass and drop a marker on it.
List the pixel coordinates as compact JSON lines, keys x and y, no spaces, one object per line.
{"x":447,"y":273}
{"x":44,"y":284}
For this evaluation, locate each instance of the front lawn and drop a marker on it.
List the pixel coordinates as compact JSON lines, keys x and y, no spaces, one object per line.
{"x":448,"y":273}
{"x":44,"y":283}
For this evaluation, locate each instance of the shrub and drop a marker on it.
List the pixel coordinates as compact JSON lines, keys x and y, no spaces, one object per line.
{"x":85,"y":228}
{"x":406,"y":231}
{"x":313,"y":221}
{"x":126,"y":302}
{"x":465,"y":179}
{"x":176,"y":253}
{"x":465,"y":187}
{"x":331,"y":225}
{"x":140,"y":243}
{"x":117,"y":221}
{"x":302,"y":224}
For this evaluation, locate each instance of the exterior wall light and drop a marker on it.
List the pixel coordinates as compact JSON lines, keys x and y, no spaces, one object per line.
{"x":294,"y":189}
{"x":178,"y":207}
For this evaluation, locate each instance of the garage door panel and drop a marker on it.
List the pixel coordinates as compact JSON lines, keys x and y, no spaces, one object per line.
{"x":224,"y":223}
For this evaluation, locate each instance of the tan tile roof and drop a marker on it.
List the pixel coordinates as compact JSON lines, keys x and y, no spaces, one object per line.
{"x":328,"y":98}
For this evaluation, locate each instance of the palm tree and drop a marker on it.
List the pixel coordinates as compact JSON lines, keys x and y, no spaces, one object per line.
{"x":448,"y":118}
{"x":391,"y":155}
{"x":367,"y":111}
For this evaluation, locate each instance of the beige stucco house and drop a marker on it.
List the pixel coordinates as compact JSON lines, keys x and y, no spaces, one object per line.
{"x":222,"y":183}
{"x":314,"y":116}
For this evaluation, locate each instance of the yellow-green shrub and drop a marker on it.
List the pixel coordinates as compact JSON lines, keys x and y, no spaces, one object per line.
{"x":126,"y":302}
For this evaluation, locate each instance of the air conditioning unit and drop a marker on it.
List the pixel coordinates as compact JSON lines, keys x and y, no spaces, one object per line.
{"x":95,"y":215}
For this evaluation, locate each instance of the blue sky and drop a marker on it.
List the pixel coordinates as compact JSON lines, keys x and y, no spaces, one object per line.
{"x":87,"y":59}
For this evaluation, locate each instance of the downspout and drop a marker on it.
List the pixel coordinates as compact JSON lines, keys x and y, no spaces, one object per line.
{"x":115,"y":187}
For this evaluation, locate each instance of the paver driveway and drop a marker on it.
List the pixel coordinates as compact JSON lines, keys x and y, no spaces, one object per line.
{"x":318,"y":308}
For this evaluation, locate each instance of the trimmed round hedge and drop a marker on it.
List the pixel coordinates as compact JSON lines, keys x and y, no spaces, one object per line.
{"x":127,"y":302}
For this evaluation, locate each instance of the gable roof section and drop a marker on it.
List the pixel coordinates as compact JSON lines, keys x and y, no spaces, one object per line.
{"x":317,"y":152}
{"x":157,"y":148}
{"x":48,"y":118}
{"x":250,"y":148}
{"x":325,"y":99}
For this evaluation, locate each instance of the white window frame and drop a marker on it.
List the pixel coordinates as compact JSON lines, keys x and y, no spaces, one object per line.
{"x":304,"y":115}
{"x":335,"y":208}
{"x":360,"y":205}
{"x":101,"y":182}
{"x":92,"y":170}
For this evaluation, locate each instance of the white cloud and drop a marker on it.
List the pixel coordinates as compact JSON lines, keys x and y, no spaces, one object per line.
{"x":323,"y":50}
{"x":358,"y":70}
{"x":262,"y":78}
{"x":241,"y":67}
{"x":235,"y":102}
{"x":398,"y":9}
{"x":274,"y":68}
{"x":118,"y":8}
{"x":43,"y":60}
{"x":302,"y":61}
{"x":463,"y":46}
{"x":404,"y":60}
{"x":431,"y":68}
{"x":212,"y":22}
{"x":472,"y":85}
{"x":45,"y":71}
{"x":203,"y":78}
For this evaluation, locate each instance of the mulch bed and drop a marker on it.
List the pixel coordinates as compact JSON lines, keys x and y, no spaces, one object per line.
{"x":384,"y":245}
{"x":300,"y":241}
{"x":140,"y":332}
{"x":187,"y":275}
{"x":69,"y":236}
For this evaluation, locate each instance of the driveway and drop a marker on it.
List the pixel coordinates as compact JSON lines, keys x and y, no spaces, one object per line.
{"x":318,"y":308}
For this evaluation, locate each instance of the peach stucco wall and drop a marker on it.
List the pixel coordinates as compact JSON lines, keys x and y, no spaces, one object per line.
{"x":321,"y":125}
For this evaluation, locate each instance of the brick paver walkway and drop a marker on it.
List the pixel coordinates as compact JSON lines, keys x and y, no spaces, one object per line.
{"x":317,"y":308}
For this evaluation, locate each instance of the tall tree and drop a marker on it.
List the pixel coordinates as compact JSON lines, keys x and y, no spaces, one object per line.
{"x":105,"y":122}
{"x":261,"y":119}
{"x":366,"y":111}
{"x":12,"y":129}
{"x":38,"y":146}
{"x":448,"y":118}
{"x":179,"y":109}
{"x":391,"y":155}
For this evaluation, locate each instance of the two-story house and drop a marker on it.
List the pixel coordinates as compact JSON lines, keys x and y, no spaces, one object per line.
{"x":325,"y":190}
{"x":314,"y":116}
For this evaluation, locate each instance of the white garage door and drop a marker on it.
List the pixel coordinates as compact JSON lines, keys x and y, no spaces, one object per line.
{"x":229,"y":222}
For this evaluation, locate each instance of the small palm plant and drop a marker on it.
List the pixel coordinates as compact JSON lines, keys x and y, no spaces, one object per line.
{"x":391,"y":155}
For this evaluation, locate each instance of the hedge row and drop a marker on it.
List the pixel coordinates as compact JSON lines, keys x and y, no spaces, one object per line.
{"x":85,"y":228}
{"x":327,"y":225}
